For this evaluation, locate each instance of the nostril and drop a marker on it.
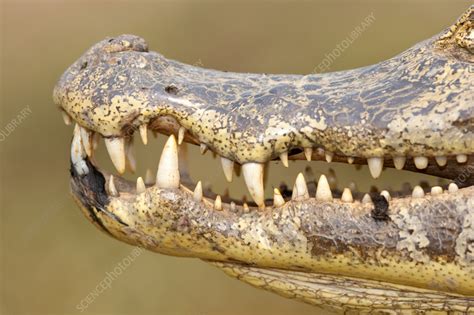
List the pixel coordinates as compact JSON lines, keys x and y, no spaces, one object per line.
{"x":171,"y":89}
{"x":83,"y":65}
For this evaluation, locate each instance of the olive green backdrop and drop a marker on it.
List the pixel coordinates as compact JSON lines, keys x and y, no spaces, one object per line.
{"x":51,"y":257}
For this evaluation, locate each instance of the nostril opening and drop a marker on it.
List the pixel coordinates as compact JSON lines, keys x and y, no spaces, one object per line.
{"x":171,"y":89}
{"x":111,"y":40}
{"x":84,"y":65}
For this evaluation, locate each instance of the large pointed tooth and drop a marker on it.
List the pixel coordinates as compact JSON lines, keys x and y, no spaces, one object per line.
{"x":452,"y":188}
{"x":347,"y":196}
{"x":300,"y":190}
{"x":421,"y":162}
{"x":366,"y":199}
{"x":149,"y":177}
{"x":116,"y":149}
{"x":112,"y":190}
{"x":203,"y":148}
{"x":399,"y":162}
{"x":218,"y":203}
{"x":144,"y":133}
{"x":167,"y":175}
{"x":461,"y":158}
{"x":436,"y":190}
{"x":181,"y":132}
{"x":228,"y":168}
{"x":329,"y":156}
{"x":323,"y":191}
{"x":197,"y":194}
{"x":141,"y":188}
{"x":375,"y":166}
{"x":130,"y":162}
{"x":441,"y":160}
{"x":386,"y":195}
{"x":95,"y":140}
{"x":284,"y":158}
{"x":77,"y":153}
{"x":277,"y":198}
{"x":66,"y":118}
{"x":418,"y":192}
{"x":86,"y":137}
{"x":308,"y":153}
{"x":350,"y":160}
{"x":253,"y":175}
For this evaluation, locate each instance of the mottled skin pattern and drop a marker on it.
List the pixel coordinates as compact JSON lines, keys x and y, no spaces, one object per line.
{"x":331,"y":254}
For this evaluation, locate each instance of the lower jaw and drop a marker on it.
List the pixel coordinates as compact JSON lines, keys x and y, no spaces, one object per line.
{"x":420,"y":242}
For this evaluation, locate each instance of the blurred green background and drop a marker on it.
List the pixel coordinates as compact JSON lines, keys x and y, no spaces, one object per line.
{"x":51,"y":257}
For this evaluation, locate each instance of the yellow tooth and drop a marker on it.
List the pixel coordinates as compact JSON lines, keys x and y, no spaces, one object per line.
{"x":308,"y":153}
{"x":203,"y":148}
{"x":181,"y":132}
{"x":452,"y":188}
{"x":461,"y":158}
{"x":167,"y":175}
{"x":66,"y":118}
{"x":386,"y":195}
{"x":350,"y":160}
{"x":300,"y":190}
{"x":375,"y":166}
{"x":86,"y":137}
{"x":116,"y":149}
{"x":284,"y":158}
{"x":329,"y":156}
{"x":323,"y":191}
{"x":141,"y":188}
{"x":144,"y":133}
{"x":441,"y":160}
{"x":277,"y":198}
{"x":421,"y":162}
{"x":77,"y":153}
{"x":246,"y":207}
{"x":130,"y":161}
{"x":218,"y":203}
{"x":366,"y":199}
{"x":197,"y":195}
{"x":228,"y":168}
{"x":436,"y":190}
{"x":112,"y":189}
{"x":149,"y":178}
{"x":347,"y":196}
{"x":399,"y":162}
{"x":418,"y":192}
{"x":253,"y":175}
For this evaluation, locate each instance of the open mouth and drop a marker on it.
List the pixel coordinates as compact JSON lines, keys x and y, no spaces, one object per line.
{"x":449,"y":172}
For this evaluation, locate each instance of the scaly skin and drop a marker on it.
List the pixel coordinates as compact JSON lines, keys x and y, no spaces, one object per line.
{"x":417,"y":258}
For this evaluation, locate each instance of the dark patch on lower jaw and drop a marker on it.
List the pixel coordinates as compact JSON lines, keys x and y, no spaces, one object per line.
{"x":90,"y":189}
{"x":380,"y":211}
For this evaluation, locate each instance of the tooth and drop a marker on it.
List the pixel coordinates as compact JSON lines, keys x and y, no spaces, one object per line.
{"x":421,"y":162}
{"x":86,"y":136}
{"x":441,"y":160}
{"x":399,"y":162}
{"x":197,"y":195}
{"x":350,"y":160}
{"x":112,"y":189}
{"x":95,"y":140}
{"x":228,"y":167}
{"x":300,"y":190}
{"x":253,"y":175}
{"x":284,"y":158}
{"x":277,"y":198}
{"x":149,"y":178}
{"x":167,"y":175}
{"x":461,"y":158}
{"x":323,"y":191}
{"x":436,"y":190}
{"x":347,"y":196}
{"x":386,"y":195}
{"x":308,"y":153}
{"x":77,"y":153}
{"x":181,"y":134}
{"x":116,"y":149}
{"x":366,"y":199}
{"x":218,"y":203}
{"x":141,"y":188}
{"x":66,"y":118}
{"x":130,"y":161}
{"x":329,"y":156}
{"x":375,"y":166}
{"x":418,"y":192}
{"x":203,"y":148}
{"x":452,"y":188}
{"x":232,"y":206}
{"x":246,"y":207}
{"x":144,"y":133}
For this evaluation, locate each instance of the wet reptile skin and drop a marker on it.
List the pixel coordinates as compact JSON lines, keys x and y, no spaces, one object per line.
{"x":330,"y":254}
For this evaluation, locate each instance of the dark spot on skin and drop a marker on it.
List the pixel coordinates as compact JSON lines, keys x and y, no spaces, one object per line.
{"x":171,"y":89}
{"x":84,"y":65}
{"x":380,"y":211}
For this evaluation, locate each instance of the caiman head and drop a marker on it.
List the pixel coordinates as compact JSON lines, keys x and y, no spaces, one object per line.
{"x":345,"y":250}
